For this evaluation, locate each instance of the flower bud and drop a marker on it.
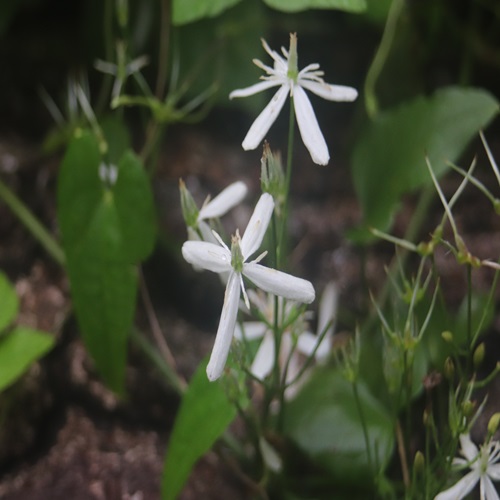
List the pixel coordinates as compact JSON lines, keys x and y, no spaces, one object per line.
{"x":189,"y":209}
{"x":272,"y":178}
{"x":449,"y":368}
{"x":419,"y":463}
{"x":447,"y":336}
{"x":478,"y":355}
{"x":493,"y":423}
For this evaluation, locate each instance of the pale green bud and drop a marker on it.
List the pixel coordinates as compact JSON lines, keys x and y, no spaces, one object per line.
{"x":493,"y":423}
{"x":478,"y":355}
{"x":190,"y":211}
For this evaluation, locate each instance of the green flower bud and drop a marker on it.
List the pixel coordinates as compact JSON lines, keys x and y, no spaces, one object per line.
{"x":189,"y":209}
{"x":478,"y":355}
{"x":493,"y":423}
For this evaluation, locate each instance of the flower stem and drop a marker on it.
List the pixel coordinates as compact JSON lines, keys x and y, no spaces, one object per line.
{"x":33,"y":225}
{"x":371,"y":102}
{"x":283,"y":240}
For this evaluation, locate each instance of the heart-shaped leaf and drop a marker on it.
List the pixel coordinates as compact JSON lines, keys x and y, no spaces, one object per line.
{"x":107,"y":224}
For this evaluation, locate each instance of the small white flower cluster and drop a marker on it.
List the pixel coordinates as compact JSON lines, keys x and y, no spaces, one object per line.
{"x":234,"y":261}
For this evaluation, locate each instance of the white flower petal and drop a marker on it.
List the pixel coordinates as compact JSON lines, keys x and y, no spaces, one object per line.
{"x":309,"y":128}
{"x":468,"y":448}
{"x":279,"y":283}
{"x":306,"y":343}
{"x":488,"y":490}
{"x":227,"y":199}
{"x":264,"y":359}
{"x":255,"y":89}
{"x":207,"y":256}
{"x":263,"y":122}
{"x":328,"y":309}
{"x":460,"y":489}
{"x":257,"y":226}
{"x":494,"y":472}
{"x":330,"y":92}
{"x":250,"y":330}
{"x":225,"y":331}
{"x":206,"y":233}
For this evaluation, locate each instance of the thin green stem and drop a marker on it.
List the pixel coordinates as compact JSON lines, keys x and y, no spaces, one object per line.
{"x":152,"y":353}
{"x":107,"y":80}
{"x":161,"y":79}
{"x":283,"y":240}
{"x":371,"y":102}
{"x":32,"y":224}
{"x":364,"y":427}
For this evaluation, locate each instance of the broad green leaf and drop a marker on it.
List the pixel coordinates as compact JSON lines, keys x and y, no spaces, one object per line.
{"x":187,"y":11}
{"x":9,"y":303}
{"x":18,"y":350}
{"x":389,"y":159}
{"x":324,"y":420}
{"x":106,"y":230}
{"x":298,"y":5}
{"x":204,"y":415}
{"x":117,"y":137}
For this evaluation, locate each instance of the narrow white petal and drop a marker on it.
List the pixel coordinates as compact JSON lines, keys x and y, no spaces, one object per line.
{"x":207,"y":256}
{"x":279,"y":283}
{"x":468,"y":448}
{"x":263,"y":122}
{"x":328,"y":309}
{"x":250,"y":330}
{"x":494,"y":472}
{"x":206,"y":233}
{"x":257,"y":226}
{"x":309,"y":128}
{"x":330,"y":92}
{"x":226,"y":328}
{"x":306,"y":343}
{"x":264,"y":359}
{"x":488,"y":490}
{"x":460,"y":489}
{"x":227,"y":199}
{"x":254,"y":89}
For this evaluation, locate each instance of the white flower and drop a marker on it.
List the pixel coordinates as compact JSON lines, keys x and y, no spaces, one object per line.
{"x":292,"y":354}
{"x":195,"y":219}
{"x":484,"y":468}
{"x":291,"y":81}
{"x":220,"y":259}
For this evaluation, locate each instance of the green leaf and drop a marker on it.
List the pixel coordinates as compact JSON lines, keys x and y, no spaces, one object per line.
{"x":389,"y":159}
{"x":18,"y":350}
{"x":299,"y":5}
{"x":117,"y":137}
{"x":325,"y":422}
{"x":204,"y":415}
{"x":9,"y":303}
{"x":106,"y":230}
{"x":187,"y":11}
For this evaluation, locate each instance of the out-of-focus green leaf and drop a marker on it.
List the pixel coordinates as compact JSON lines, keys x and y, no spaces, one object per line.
{"x":9,"y":303}
{"x":117,"y":137}
{"x":204,"y":415}
{"x":298,"y":5}
{"x":389,"y":158}
{"x":187,"y":11}
{"x":107,"y":228}
{"x":220,"y":51}
{"x":325,"y":422}
{"x":18,"y":350}
{"x":377,"y":10}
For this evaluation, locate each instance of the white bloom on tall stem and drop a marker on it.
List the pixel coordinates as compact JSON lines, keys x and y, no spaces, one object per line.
{"x":220,"y":259}
{"x":484,"y":467}
{"x":291,"y":81}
